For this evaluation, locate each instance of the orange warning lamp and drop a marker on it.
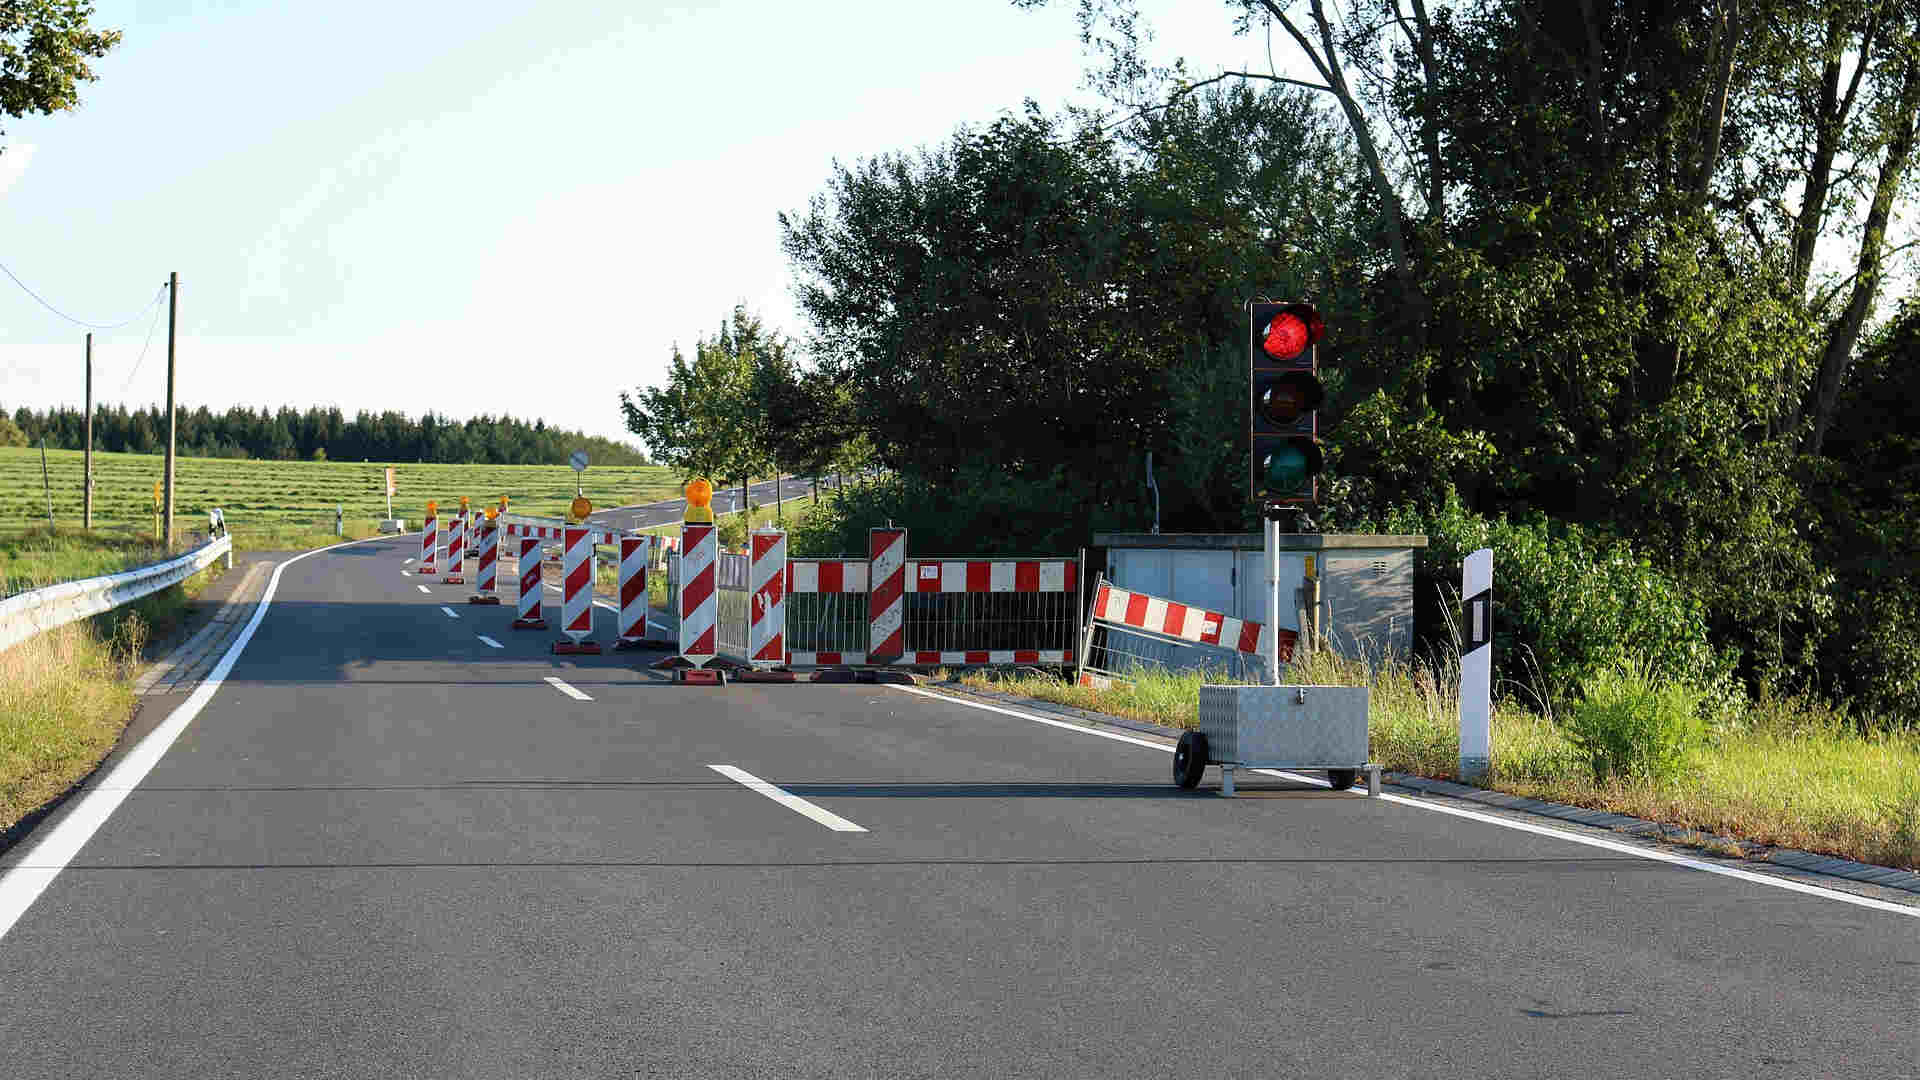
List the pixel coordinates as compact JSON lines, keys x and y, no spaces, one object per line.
{"x":700,"y":502}
{"x":463,"y":502}
{"x":491,"y":513}
{"x":581,"y":507}
{"x":432,"y":506}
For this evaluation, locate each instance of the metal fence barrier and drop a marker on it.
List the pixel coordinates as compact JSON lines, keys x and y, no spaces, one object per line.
{"x":733,"y":596}
{"x":25,"y":614}
{"x":1129,"y":631}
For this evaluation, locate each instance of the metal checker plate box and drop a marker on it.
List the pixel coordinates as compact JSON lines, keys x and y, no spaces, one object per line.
{"x":1271,"y":725}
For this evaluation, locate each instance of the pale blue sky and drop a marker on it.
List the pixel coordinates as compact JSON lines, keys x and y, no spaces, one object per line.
{"x":477,"y":206}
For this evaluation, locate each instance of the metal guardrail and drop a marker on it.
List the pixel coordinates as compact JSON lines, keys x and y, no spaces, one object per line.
{"x":26,"y":614}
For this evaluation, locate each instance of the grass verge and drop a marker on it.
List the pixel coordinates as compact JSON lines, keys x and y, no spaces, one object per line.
{"x":1787,"y":773}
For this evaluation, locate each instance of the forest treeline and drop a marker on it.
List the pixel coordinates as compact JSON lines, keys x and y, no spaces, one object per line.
{"x":316,"y":434}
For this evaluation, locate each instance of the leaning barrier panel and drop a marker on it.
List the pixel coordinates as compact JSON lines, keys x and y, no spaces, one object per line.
{"x":25,"y":614}
{"x":1128,"y":630}
{"x":733,"y":595}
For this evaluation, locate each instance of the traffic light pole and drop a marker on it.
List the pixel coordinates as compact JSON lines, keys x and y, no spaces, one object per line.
{"x":1272,"y":522}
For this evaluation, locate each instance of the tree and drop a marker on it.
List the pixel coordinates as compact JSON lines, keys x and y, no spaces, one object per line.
{"x":44,"y":49}
{"x":10,"y":433}
{"x":706,"y":420}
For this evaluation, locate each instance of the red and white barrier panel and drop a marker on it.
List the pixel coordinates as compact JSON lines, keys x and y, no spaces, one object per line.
{"x":635,"y":552}
{"x":456,"y":551}
{"x":699,"y":601}
{"x":576,"y":590}
{"x":767,"y":579}
{"x":1169,"y":618}
{"x":944,"y":576}
{"x":531,"y":587}
{"x":429,"y":545}
{"x":887,"y":609}
{"x":487,"y":592}
{"x":555,"y":529}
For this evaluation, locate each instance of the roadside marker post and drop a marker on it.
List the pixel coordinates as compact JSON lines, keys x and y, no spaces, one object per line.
{"x":576,"y":611}
{"x":530,"y":586}
{"x":1476,"y":666}
{"x":887,"y":554}
{"x":487,"y":592}
{"x":456,"y":550}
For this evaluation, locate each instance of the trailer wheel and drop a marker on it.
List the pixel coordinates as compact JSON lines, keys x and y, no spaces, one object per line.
{"x":1190,"y":760}
{"x":1342,"y":779}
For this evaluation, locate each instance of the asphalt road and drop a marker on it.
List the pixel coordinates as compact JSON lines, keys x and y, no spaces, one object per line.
{"x":385,"y":848}
{"x":725,"y":500}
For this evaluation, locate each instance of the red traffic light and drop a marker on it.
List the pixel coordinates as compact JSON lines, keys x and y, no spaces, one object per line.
{"x":1289,"y":333}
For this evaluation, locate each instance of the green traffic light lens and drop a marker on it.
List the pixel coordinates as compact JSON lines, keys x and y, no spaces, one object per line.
{"x":1285,"y":468}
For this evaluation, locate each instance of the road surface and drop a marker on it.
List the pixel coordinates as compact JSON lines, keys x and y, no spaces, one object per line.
{"x":384,"y":847}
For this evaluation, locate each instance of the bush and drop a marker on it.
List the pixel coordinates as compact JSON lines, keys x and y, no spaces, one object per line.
{"x":1633,"y":724}
{"x":1568,"y":606}
{"x":981,"y":512}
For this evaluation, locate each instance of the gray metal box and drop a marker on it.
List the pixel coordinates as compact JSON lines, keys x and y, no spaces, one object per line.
{"x":1290,"y":726}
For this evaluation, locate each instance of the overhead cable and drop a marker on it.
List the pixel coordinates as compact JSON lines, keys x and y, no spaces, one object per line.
{"x":82,"y":322}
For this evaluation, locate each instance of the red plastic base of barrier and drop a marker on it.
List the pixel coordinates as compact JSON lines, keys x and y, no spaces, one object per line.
{"x":576,"y":648}
{"x":483,"y":600}
{"x":752,"y":676}
{"x":700,"y":677}
{"x":529,"y":624}
{"x":453,"y":579}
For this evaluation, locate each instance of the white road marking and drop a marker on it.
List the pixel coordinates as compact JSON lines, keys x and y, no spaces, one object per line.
{"x":491,"y":642}
{"x":451,"y":614}
{"x":567,"y":690}
{"x":404,"y":573}
{"x":424,"y":589}
{"x":26,"y":880}
{"x":787,"y":799}
{"x":405,"y":561}
{"x":1522,"y":826}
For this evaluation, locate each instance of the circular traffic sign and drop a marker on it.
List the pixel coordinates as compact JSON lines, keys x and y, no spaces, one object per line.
{"x":578,"y":459}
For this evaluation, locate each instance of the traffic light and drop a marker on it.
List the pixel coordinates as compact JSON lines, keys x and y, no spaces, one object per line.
{"x":1283,"y":392}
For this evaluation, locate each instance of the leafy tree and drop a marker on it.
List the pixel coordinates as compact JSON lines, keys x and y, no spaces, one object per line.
{"x":706,"y":420}
{"x":44,"y":49}
{"x":10,"y":433}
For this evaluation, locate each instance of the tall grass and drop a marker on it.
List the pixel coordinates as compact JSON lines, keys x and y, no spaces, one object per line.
{"x":64,"y":698}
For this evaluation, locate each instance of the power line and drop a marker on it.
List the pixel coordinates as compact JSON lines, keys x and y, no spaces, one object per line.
{"x":71,"y":319}
{"x":143,"y":348}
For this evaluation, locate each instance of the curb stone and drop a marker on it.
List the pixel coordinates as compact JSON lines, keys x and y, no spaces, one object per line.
{"x":1639,"y":828}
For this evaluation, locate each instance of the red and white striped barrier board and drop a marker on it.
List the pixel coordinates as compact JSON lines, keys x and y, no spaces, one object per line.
{"x":633,"y":589}
{"x":887,"y":608}
{"x":982,"y":576}
{"x":944,"y":576}
{"x":429,"y":544}
{"x":1172,"y":619}
{"x":767,"y":578}
{"x":531,"y":587}
{"x":827,"y":576}
{"x":456,"y":551}
{"x":699,"y":601}
{"x":576,"y":592}
{"x":554,"y":529}
{"x":487,"y":591}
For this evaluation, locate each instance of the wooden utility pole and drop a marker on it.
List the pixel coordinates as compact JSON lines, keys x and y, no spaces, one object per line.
{"x":86,"y":494}
{"x":173,"y":315}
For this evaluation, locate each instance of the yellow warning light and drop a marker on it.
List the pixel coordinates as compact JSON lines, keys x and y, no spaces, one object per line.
{"x":463,"y":501}
{"x":582,"y":506}
{"x":700,"y":501}
{"x":432,"y":505}
{"x":491,"y":513}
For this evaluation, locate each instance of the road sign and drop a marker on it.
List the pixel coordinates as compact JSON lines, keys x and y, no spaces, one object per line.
{"x":578,"y":460}
{"x":390,"y":488}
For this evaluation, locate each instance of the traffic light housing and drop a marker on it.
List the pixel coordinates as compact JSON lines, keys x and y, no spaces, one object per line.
{"x":1283,"y":392}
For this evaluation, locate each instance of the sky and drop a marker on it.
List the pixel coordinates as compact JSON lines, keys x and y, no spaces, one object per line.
{"x":478,"y":207}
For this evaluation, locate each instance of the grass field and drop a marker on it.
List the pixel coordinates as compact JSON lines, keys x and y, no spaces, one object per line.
{"x":260,"y":496}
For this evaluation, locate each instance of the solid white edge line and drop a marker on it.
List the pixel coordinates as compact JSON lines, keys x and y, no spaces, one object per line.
{"x":451,"y":614}
{"x":788,"y":799}
{"x":567,"y":690}
{"x":1522,"y":826}
{"x":26,"y":880}
{"x":490,"y":641}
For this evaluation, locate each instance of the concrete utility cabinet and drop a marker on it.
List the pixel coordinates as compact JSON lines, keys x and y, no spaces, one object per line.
{"x":1366,"y":585}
